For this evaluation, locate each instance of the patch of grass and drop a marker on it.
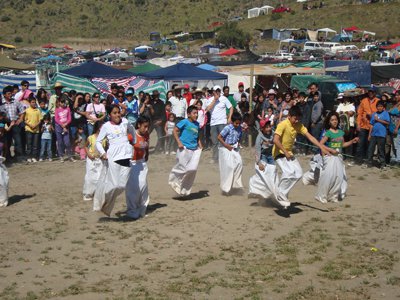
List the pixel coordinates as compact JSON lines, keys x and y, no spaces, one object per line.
{"x":205,"y":260}
{"x":360,"y":178}
{"x":393,"y":280}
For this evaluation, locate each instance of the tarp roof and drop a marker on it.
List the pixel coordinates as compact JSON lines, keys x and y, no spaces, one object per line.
{"x":183,"y":72}
{"x":326,"y":30}
{"x":8,"y":46}
{"x":94,"y":69}
{"x":230,"y":51}
{"x":48,"y":46}
{"x":7,"y":63}
{"x":392,"y":46}
{"x":147,"y":67}
{"x":207,"y":67}
{"x":352,"y":28}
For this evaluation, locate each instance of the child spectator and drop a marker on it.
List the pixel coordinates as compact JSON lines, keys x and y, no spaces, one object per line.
{"x":245,"y":130}
{"x":202,"y":120}
{"x":377,"y":134}
{"x":32,"y":129}
{"x":47,"y":132}
{"x":230,"y":161}
{"x":62,"y":120}
{"x":2,"y":139}
{"x":80,"y":142}
{"x":43,"y":109}
{"x":169,"y":131}
{"x":167,"y":110}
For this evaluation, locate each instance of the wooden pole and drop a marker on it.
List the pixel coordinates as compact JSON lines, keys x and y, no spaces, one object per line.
{"x":251,"y":99}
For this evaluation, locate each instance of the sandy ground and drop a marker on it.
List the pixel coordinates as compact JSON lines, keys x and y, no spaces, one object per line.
{"x":208,"y":246}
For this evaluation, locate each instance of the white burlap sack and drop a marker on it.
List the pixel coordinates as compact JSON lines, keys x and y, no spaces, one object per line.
{"x":230,"y":169}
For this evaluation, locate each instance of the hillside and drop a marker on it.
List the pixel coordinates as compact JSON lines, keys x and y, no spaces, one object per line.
{"x":126,"y":22}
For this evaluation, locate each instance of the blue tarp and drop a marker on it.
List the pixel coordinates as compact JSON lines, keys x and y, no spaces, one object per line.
{"x":359,"y":70}
{"x":183,"y":72}
{"x":16,"y":79}
{"x":49,"y":58}
{"x":207,"y":67}
{"x":94,"y":69}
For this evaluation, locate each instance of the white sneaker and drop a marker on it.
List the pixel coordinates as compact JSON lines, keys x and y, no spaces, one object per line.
{"x":166,"y":152}
{"x":50,"y":159}
{"x":87,"y":198}
{"x":29,"y":160}
{"x":71,"y":159}
{"x":40,"y":159}
{"x":34,"y":160}
{"x":173,"y":152}
{"x":62,"y":159}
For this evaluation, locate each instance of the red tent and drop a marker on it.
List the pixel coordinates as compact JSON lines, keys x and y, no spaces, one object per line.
{"x":352,"y":29}
{"x":389,"y":47}
{"x":230,"y":51}
{"x":66,"y":47}
{"x":49,"y":46}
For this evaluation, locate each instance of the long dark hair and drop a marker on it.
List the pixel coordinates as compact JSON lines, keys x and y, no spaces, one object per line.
{"x":328,"y":119}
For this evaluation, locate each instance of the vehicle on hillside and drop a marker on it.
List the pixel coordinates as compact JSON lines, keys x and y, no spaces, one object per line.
{"x":326,"y":46}
{"x":281,"y":9}
{"x":344,"y":48}
{"x":280,"y":56}
{"x":369,"y":47}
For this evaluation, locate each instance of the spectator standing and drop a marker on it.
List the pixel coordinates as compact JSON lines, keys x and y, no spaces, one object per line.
{"x":95,"y":112}
{"x":32,"y":130}
{"x":159,"y":120}
{"x":53,"y":102}
{"x":187,"y":94}
{"x":238,"y":95}
{"x":178,"y":105}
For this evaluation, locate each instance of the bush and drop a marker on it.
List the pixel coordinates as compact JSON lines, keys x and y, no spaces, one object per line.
{"x":5,"y":18}
{"x":18,"y":39}
{"x":39,"y":1}
{"x":275,"y":17}
{"x":230,"y":35}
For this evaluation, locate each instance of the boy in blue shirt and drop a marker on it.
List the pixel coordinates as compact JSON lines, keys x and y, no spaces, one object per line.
{"x":230,"y":161}
{"x":377,"y":133}
{"x":186,"y":133}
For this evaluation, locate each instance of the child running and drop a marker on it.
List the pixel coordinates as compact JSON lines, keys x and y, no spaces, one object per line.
{"x":137,"y":193}
{"x":118,"y":158}
{"x":94,"y":165}
{"x":230,"y":161}
{"x":332,"y":184}
{"x":284,"y":138}
{"x":263,"y":183}
{"x":186,"y":134}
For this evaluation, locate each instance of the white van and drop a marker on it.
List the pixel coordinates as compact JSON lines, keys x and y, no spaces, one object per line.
{"x":326,"y":46}
{"x":345,"y":48}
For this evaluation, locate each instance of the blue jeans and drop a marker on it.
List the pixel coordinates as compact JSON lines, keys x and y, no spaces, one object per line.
{"x":63,"y":142}
{"x":90,"y":129}
{"x":32,"y":144}
{"x":215,"y":131}
{"x":15,"y":134}
{"x":362,"y":146}
{"x":45,"y":146}
{"x":269,"y":159}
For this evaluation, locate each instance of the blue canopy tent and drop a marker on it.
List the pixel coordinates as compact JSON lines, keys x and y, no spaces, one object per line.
{"x":186,"y":73}
{"x":49,"y":58}
{"x":94,"y":69}
{"x":207,"y":67}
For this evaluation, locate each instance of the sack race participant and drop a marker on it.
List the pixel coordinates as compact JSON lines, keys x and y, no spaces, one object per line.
{"x":94,"y":165}
{"x":186,"y":134}
{"x":332,"y":184}
{"x":137,"y":192}
{"x":230,"y":161}
{"x":311,"y":177}
{"x":4,"y":178}
{"x":284,"y":138}
{"x":264,"y":182}
{"x":118,"y":158}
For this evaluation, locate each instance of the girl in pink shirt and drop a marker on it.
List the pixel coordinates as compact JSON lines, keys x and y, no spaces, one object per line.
{"x":63,"y":119}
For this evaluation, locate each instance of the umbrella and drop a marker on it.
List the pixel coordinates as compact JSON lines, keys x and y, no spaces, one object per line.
{"x":352,"y":29}
{"x":229,"y":52}
{"x":66,"y":47}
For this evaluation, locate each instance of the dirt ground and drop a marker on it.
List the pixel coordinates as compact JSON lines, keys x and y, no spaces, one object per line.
{"x":208,"y":246}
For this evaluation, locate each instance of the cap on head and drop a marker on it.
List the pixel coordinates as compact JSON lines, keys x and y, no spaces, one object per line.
{"x":216,"y":88}
{"x":271,"y":92}
{"x":240,"y":84}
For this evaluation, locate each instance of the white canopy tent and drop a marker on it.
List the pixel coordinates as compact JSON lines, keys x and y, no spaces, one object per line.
{"x":253,"y":12}
{"x":265,"y":9}
{"x":327,"y":30}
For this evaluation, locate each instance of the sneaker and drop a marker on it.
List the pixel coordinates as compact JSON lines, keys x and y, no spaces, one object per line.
{"x":173,"y":152}
{"x":40,"y":159}
{"x":71,"y":159}
{"x":62,"y":159}
{"x":34,"y":160}
{"x":29,"y":160}
{"x":364,"y":166}
{"x":351,"y":164}
{"x":50,"y":159}
{"x":166,"y":152}
{"x":87,"y":198}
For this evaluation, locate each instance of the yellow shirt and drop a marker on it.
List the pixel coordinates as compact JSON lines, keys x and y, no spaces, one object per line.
{"x":92,"y":145}
{"x":32,"y":117}
{"x":287,"y":133}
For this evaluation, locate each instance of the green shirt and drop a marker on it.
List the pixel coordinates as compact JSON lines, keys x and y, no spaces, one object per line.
{"x":233,"y":102}
{"x":335,"y":139}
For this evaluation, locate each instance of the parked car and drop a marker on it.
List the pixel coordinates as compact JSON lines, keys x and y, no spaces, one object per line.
{"x":369,"y":47}
{"x":281,"y":9}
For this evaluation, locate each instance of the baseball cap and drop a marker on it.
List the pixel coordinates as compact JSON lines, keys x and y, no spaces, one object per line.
{"x":186,"y":86}
{"x":340,"y":96}
{"x":129,"y":92}
{"x":217,"y":87}
{"x":271,"y":91}
{"x":240,"y":84}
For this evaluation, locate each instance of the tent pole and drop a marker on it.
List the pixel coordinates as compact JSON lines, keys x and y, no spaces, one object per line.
{"x":251,"y":99}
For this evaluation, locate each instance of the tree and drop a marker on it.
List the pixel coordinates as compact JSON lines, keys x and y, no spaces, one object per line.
{"x":230,"y":35}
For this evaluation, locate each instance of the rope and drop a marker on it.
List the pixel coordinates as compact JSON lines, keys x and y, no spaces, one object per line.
{"x":315,"y":147}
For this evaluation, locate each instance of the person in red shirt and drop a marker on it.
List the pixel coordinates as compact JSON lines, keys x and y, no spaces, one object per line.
{"x":137,"y":193}
{"x":187,"y":94}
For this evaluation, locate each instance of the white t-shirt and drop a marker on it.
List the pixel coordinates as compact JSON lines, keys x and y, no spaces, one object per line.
{"x":347,"y":107}
{"x":238,"y":96}
{"x":178,"y":106}
{"x":218,"y":112}
{"x":117,"y":137}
